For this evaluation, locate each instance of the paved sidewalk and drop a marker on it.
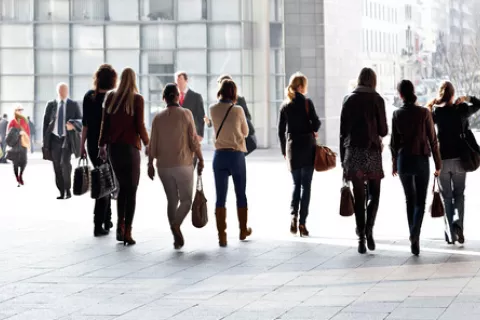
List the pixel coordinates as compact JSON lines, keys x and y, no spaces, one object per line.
{"x":51,"y":266}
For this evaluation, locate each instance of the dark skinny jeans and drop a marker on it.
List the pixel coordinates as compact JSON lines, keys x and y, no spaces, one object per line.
{"x":302,"y":188}
{"x":414,"y":172}
{"x":125,"y":161}
{"x":366,"y":220}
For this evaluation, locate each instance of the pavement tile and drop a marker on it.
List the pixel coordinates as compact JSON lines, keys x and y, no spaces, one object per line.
{"x":416,"y":313}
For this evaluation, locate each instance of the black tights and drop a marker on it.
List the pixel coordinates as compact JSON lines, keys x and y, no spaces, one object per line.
{"x":365,"y":226}
{"x":18,"y":169}
{"x":125,"y":161}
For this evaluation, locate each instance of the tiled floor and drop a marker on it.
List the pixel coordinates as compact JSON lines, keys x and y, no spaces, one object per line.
{"x":51,"y":267}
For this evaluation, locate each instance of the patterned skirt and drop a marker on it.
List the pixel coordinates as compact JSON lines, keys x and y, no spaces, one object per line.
{"x":365,"y":164}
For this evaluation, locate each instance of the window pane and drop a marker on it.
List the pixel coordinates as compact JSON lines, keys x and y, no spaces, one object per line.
{"x":52,"y":62}
{"x":158,"y":37}
{"x":189,"y":10}
{"x":52,"y":36}
{"x":123,"y":10}
{"x":160,"y":62}
{"x":16,"y":35}
{"x":16,"y":88}
{"x":225,"y":36}
{"x":88,"y":10}
{"x":193,"y":61}
{"x":46,"y":87}
{"x":20,"y":61}
{"x":276,"y":35}
{"x":16,"y":10}
{"x":87,"y":37}
{"x":247,"y":90}
{"x":86,"y":61}
{"x":122,"y":59}
{"x":192,"y":36}
{"x":80,"y":86}
{"x":157,"y":10}
{"x":56,"y":10}
{"x":152,"y":88}
{"x":225,"y":10}
{"x":225,"y":62}
{"x":123,"y":37}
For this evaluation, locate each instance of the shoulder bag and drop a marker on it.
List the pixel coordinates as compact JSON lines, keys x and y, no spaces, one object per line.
{"x":223,"y":121}
{"x":436,"y":209}
{"x":325,"y":158}
{"x":470,"y":153}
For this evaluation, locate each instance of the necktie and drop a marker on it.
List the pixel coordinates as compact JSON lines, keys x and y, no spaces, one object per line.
{"x":61,"y":120}
{"x":182,"y":98}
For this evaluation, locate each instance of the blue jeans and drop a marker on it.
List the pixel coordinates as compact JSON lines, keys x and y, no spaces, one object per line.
{"x":415,"y":178}
{"x":230,"y":163}
{"x":302,"y":187}
{"x":452,"y":187}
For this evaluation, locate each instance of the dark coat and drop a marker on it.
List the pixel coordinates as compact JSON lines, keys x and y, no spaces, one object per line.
{"x":3,"y":129}
{"x":296,"y":128}
{"x":363,"y":121}
{"x":194,"y":102}
{"x":72,"y":113}
{"x":413,"y":133}
{"x":451,"y":121}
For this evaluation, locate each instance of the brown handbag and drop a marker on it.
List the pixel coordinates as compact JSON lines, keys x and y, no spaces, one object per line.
{"x":347,"y":202}
{"x":436,"y":209}
{"x":199,"y":206}
{"x":325,"y":158}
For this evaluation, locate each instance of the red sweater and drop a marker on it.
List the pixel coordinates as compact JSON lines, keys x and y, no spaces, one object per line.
{"x":23,"y":125}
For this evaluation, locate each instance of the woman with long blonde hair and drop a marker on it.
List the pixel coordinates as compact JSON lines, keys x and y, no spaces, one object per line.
{"x":19,"y":149}
{"x":453,"y":127}
{"x":123,"y":130}
{"x":298,"y":124}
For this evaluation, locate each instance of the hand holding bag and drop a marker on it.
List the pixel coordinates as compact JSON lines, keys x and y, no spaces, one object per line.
{"x":81,"y":178}
{"x":199,"y":206}
{"x":325,"y":158}
{"x":436,"y":209}
{"x":103,"y":181}
{"x":347,"y":207}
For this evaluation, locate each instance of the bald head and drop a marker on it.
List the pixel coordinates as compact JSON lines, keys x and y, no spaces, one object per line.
{"x":62,"y":90}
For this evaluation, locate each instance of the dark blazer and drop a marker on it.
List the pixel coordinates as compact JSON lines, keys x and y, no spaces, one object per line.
{"x":194,"y":102}
{"x":72,"y":113}
{"x":296,"y":130}
{"x":413,"y":133}
{"x":363,"y":121}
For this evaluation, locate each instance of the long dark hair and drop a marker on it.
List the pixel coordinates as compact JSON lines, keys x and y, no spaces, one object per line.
{"x":105,"y":78}
{"x":407,"y":91}
{"x":367,"y":78}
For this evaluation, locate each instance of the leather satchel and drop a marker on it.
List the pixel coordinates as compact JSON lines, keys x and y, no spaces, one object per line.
{"x":103,"y":181}
{"x":325,"y":158}
{"x":199,"y":206}
{"x":347,"y":203}
{"x":437,"y":209}
{"x":81,"y":178}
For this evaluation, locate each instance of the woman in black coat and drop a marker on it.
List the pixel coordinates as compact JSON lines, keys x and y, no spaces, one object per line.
{"x":297,"y":128}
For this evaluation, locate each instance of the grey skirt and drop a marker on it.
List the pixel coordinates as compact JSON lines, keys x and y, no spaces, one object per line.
{"x":365,"y":164}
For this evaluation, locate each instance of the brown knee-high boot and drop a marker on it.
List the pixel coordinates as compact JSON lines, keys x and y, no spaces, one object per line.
{"x":221,"y":217}
{"x":242,"y":221}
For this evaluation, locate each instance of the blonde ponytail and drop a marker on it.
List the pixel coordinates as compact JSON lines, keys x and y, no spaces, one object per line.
{"x":297,"y":81}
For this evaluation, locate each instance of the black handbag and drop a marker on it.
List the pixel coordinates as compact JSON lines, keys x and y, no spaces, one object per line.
{"x":81,"y":178}
{"x":13,"y":137}
{"x":102,"y":181}
{"x":251,"y":140}
{"x":470,"y":151}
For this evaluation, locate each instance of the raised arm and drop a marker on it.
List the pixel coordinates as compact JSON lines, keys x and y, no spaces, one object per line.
{"x":140,"y":120}
{"x":470,"y":108}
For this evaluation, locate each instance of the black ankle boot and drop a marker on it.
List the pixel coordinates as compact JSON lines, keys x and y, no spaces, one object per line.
{"x":99,"y":232}
{"x":415,"y":246}
{"x":370,"y":241}
{"x":362,"y":249}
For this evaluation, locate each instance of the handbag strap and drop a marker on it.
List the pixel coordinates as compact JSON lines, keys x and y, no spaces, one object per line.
{"x":199,"y":183}
{"x":435,"y":182}
{"x":223,"y":121}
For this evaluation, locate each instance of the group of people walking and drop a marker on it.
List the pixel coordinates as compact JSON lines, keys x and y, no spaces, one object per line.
{"x":413,"y":140}
{"x":113,"y":131}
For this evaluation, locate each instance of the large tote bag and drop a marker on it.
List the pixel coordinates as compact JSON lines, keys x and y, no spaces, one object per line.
{"x":103,"y":181}
{"x":199,"y":206}
{"x":81,"y":178}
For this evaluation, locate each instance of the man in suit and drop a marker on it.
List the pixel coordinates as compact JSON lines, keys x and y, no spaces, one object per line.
{"x":3,"y":136}
{"x":192,"y":101}
{"x":59,"y":115}
{"x":33,"y":134}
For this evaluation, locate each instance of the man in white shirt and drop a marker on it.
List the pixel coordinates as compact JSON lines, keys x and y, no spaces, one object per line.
{"x":56,"y":123}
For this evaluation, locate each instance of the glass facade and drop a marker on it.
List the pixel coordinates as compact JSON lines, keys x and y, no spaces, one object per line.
{"x":43,"y":42}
